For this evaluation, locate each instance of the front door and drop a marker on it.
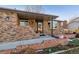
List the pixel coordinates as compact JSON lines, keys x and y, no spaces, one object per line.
{"x":39,"y":26}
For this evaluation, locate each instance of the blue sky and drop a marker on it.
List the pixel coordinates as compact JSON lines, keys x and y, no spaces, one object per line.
{"x":65,"y":12}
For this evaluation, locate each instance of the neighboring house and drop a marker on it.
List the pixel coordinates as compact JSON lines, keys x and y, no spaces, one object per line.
{"x":74,"y":24}
{"x":14,"y":23}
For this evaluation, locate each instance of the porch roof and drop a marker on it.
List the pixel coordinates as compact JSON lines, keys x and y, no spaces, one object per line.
{"x":26,"y":13}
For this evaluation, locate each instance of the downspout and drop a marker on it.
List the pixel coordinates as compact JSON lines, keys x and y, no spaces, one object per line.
{"x":52,"y":27}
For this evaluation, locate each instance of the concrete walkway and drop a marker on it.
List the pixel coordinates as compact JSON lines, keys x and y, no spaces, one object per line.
{"x":11,"y":45}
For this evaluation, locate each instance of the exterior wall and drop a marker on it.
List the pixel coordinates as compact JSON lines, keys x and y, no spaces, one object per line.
{"x":65,"y":26}
{"x":12,"y":17}
{"x":32,"y":24}
{"x":46,"y":28}
{"x":9,"y":29}
{"x":73,"y":25}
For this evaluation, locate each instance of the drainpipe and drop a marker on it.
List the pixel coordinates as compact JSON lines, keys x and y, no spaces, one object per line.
{"x":52,"y":28}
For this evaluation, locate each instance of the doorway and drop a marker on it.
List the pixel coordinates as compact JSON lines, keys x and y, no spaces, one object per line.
{"x":39,"y":26}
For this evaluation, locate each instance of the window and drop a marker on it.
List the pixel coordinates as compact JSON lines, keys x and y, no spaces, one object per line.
{"x":23,"y":23}
{"x":54,"y":25}
{"x":40,"y":27}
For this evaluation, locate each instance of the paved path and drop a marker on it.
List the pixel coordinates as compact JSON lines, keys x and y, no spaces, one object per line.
{"x":11,"y":45}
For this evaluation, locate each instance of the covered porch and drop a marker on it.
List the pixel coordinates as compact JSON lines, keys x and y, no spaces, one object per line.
{"x":40,"y":23}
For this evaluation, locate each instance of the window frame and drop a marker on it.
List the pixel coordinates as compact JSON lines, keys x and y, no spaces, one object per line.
{"x":25,"y":22}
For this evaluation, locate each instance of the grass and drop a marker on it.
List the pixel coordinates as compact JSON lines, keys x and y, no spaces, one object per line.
{"x":54,"y":49}
{"x":75,"y":43}
{"x":72,"y":51}
{"x":72,"y":44}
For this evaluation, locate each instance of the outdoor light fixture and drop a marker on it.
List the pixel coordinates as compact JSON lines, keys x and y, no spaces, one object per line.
{"x":7,"y":18}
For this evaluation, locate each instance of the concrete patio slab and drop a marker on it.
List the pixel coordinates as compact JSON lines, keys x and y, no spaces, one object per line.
{"x":12,"y":45}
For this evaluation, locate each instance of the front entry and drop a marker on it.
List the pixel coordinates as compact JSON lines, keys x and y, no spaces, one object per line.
{"x":39,"y":26}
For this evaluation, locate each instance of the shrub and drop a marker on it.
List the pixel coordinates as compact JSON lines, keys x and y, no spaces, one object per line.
{"x":77,"y":35}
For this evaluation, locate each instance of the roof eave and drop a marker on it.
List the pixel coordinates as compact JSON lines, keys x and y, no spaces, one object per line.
{"x":18,"y":11}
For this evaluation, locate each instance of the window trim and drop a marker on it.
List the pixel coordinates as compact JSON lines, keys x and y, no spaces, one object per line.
{"x":25,"y":21}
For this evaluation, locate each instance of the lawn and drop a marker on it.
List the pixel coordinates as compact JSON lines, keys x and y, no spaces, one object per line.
{"x":73,"y":43}
{"x":73,"y":51}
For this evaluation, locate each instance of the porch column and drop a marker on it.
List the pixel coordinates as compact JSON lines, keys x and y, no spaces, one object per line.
{"x":45,"y":26}
{"x":32,"y":24}
{"x":51,"y":27}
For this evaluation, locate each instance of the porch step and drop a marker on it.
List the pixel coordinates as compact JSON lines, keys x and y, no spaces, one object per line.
{"x":42,"y":34}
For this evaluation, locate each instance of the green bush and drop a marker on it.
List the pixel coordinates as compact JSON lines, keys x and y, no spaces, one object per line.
{"x":74,"y":42}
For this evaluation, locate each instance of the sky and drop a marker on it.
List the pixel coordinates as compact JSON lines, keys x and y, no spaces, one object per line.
{"x":65,"y":12}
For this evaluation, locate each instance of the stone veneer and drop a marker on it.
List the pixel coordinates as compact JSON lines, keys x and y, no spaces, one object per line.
{"x":9,"y":29}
